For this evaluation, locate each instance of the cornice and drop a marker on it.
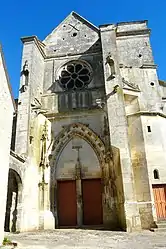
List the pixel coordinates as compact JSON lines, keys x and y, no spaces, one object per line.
{"x":130,"y":86}
{"x":147,"y":113}
{"x":133,"y":32}
{"x":69,"y":55}
{"x":154,"y":66}
{"x":15,"y":155}
{"x":40,"y":45}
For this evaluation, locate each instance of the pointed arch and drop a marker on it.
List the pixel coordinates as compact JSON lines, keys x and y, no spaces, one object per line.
{"x":82,"y":131}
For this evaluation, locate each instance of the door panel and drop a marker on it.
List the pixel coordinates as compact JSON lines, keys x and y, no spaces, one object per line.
{"x":159,"y":192}
{"x":67,"y":207}
{"x":92,"y":202}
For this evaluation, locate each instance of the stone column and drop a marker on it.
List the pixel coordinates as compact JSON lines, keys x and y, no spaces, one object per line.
{"x":78,"y":187}
{"x":46,"y":218}
{"x":54,"y":201}
{"x":118,"y":122}
{"x":19,"y":215}
{"x":79,"y":202}
{"x":79,"y":194}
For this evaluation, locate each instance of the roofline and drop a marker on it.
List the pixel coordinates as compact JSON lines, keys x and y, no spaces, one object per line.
{"x":78,"y":16}
{"x":40,"y":45}
{"x":7,"y":77}
{"x":123,"y":23}
{"x":132,"y":22}
{"x":89,"y":23}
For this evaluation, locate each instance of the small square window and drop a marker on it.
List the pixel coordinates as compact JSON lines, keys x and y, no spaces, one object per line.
{"x":149,"y":128}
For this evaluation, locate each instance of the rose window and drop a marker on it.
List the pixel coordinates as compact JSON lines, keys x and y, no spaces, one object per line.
{"x":75,"y":75}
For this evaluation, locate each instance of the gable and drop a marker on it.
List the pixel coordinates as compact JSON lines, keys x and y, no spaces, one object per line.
{"x":73,"y":36}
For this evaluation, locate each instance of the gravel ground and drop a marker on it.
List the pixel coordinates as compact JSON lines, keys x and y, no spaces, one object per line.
{"x":85,"y":239}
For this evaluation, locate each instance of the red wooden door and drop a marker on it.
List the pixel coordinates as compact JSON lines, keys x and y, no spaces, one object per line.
{"x":159,"y":192}
{"x":92,"y":202}
{"x":67,"y":207}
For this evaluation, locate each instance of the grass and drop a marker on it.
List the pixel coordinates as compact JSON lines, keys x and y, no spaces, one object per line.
{"x":6,"y":241}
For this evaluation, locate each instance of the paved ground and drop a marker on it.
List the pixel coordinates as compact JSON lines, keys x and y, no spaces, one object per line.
{"x":85,"y":239}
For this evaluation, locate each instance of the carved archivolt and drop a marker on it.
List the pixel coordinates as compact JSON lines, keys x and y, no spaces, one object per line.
{"x":82,"y":131}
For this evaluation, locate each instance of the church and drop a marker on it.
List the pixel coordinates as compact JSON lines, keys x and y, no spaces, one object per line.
{"x":88,"y":140}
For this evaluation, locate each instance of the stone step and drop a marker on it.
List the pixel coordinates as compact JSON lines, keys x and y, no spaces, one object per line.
{"x":161,"y":221}
{"x":161,"y":226}
{"x":161,"y":229}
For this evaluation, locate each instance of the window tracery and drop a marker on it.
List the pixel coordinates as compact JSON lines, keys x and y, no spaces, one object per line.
{"x":75,"y":75}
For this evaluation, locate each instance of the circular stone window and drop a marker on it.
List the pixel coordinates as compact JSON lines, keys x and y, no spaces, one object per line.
{"x":75,"y":75}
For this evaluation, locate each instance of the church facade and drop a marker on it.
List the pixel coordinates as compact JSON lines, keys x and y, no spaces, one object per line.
{"x":89,"y":142}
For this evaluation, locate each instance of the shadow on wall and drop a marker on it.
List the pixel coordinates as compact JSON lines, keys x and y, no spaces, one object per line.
{"x":95,"y":62}
{"x":13,"y":198}
{"x":119,"y":188}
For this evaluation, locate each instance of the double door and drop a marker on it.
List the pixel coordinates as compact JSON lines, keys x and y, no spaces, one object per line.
{"x":91,"y":202}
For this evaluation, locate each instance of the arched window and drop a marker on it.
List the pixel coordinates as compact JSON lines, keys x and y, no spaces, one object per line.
{"x":156,"y":174}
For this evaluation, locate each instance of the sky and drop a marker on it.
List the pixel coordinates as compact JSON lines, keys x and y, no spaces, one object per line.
{"x":33,"y":17}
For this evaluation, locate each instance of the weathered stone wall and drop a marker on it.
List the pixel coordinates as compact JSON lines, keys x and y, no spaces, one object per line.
{"x":53,"y":65}
{"x":150,"y":95}
{"x":118,"y":123}
{"x":30,"y":93}
{"x":133,"y":45}
{"x":93,"y":119}
{"x":73,"y":36}
{"x":56,"y":100}
{"x":155,"y":146}
{"x":29,"y":97}
{"x":22,"y":129}
{"x":140,"y":168}
{"x":147,"y":147}
{"x":6,"y":110}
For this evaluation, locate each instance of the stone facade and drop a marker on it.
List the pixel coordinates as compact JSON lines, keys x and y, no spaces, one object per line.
{"x":7,"y":109}
{"x":90,"y":128}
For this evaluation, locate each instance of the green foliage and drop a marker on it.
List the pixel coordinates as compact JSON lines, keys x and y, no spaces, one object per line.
{"x":6,"y":241}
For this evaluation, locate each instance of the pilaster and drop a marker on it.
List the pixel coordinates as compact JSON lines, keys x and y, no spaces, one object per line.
{"x":31,"y":87}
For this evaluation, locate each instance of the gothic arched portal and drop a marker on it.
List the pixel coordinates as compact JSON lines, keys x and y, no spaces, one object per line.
{"x":80,"y":178}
